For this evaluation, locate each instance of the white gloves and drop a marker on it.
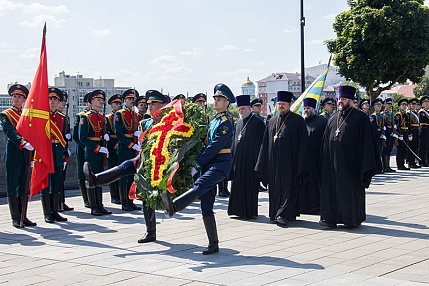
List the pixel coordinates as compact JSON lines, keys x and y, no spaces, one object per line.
{"x":68,"y":136}
{"x":106,"y":137}
{"x":64,"y":165}
{"x":137,"y":147}
{"x":410,"y":137}
{"x":103,"y":150}
{"x":28,"y":146}
{"x":395,"y":126}
{"x":383,"y":137}
{"x":193,"y":171}
{"x":137,"y":133}
{"x":395,"y":135}
{"x":401,"y":138}
{"x":384,"y":128}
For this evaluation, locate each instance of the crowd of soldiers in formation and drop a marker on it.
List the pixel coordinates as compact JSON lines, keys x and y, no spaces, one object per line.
{"x":114,"y":138}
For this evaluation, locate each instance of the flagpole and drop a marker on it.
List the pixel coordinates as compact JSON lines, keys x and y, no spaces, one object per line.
{"x":302,"y":23}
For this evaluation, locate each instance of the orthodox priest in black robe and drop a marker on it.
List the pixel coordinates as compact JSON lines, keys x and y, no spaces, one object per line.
{"x":309,"y":196}
{"x":283,"y":160}
{"x":349,"y":160}
{"x":249,"y":131}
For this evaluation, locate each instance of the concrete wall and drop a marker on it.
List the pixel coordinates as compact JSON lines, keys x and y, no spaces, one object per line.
{"x":71,"y":179}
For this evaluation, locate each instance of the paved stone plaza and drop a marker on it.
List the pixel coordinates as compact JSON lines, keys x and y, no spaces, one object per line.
{"x":390,"y":248}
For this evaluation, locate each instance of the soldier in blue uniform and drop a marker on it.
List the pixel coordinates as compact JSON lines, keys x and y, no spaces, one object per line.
{"x":215,"y":163}
{"x":402,"y":123}
{"x":424,"y":131}
{"x":92,"y":134}
{"x":50,"y":196}
{"x":364,"y":106}
{"x":390,"y":134}
{"x":126,"y":125}
{"x":200,"y":99}
{"x":256,"y":106}
{"x":115,"y":102}
{"x":328,"y":107}
{"x":377,"y":122}
{"x":80,"y":152}
{"x":414,"y":133}
{"x":17,"y":155}
{"x":356,"y":102}
{"x":61,"y":106}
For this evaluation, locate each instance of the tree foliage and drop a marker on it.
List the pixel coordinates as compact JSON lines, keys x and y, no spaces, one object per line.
{"x":232,"y":109}
{"x":381,"y":42}
{"x":422,"y":88}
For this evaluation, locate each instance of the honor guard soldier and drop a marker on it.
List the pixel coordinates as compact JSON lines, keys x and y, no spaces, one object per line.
{"x":115,"y":102}
{"x":414,"y":133}
{"x":50,"y":196}
{"x":328,"y":107}
{"x":200,"y":99}
{"x":355,"y":102}
{"x":126,"y":123}
{"x":61,"y":106}
{"x":256,"y":106}
{"x":141,"y":104}
{"x":80,"y":151}
{"x":180,"y":96}
{"x":92,"y":134}
{"x":17,"y":157}
{"x":215,"y":162}
{"x":364,"y":106}
{"x":424,"y":131}
{"x":377,"y":122}
{"x":402,"y":123}
{"x":390,"y":133}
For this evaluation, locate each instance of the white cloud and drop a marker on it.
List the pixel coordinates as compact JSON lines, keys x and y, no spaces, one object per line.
{"x":102,"y":33}
{"x":195,"y":53}
{"x":316,"y":42}
{"x":39,"y":20}
{"x":228,"y":47}
{"x":329,"y":17}
{"x":289,"y":30}
{"x":171,"y":65}
{"x":252,"y":40}
{"x":30,"y":53}
{"x":6,"y":48}
{"x":34,"y":8}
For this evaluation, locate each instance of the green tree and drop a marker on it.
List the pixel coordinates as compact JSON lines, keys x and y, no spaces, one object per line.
{"x":381,"y":42}
{"x":232,"y":109}
{"x":396,"y":98}
{"x":422,"y":88}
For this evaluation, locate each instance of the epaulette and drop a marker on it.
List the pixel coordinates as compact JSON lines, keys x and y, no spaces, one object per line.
{"x":61,"y":113}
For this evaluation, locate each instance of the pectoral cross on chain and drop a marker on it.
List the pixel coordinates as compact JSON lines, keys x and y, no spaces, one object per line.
{"x":337,"y":132}
{"x":275,"y":138}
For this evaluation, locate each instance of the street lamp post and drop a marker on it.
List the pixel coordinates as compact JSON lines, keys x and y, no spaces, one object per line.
{"x":302,"y":22}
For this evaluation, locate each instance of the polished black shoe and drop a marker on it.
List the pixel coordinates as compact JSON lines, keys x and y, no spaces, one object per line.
{"x":58,"y":217}
{"x":425,"y":164}
{"x":86,"y":204}
{"x":67,"y":208}
{"x":147,"y":237}
{"x":281,"y":220}
{"x":104,"y":211}
{"x":212,"y":248}
{"x":389,"y":170}
{"x":403,"y":168}
{"x":127,"y":208}
{"x":327,"y":224}
{"x":134,"y":207}
{"x":413,"y":166}
{"x":115,"y":201}
{"x":49,"y":218}
{"x":16,"y":223}
{"x":224,"y":193}
{"x":96,"y":212}
{"x":28,"y":222}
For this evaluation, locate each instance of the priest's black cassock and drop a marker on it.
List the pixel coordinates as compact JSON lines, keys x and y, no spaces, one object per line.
{"x":310,"y":193}
{"x":243,"y":201}
{"x":349,"y":160}
{"x":283,"y":163}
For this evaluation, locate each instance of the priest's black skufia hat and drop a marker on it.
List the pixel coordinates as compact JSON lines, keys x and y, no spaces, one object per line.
{"x":285,"y":96}
{"x":243,"y":100}
{"x":309,"y":102}
{"x":346,"y":91}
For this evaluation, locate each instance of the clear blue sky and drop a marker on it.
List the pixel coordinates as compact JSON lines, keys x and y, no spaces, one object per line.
{"x":180,"y":46}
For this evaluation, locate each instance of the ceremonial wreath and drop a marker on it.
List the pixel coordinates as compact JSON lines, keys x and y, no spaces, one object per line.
{"x":169,"y":150}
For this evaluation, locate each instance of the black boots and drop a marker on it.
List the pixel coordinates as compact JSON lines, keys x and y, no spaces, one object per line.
{"x":84,"y":193}
{"x":386,"y":165}
{"x":102,"y":178}
{"x":46,"y":205}
{"x":114,"y":193}
{"x":92,"y":197}
{"x":99,"y":200}
{"x":14,"y":211}
{"x":223,"y":189}
{"x":55,"y":202}
{"x":150,"y":221}
{"x":210,"y":225}
{"x":63,"y":207}
{"x":26,"y":221}
{"x":179,"y":203}
{"x":123,"y":195}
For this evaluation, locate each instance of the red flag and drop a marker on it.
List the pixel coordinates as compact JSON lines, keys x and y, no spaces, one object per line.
{"x":34,"y":124}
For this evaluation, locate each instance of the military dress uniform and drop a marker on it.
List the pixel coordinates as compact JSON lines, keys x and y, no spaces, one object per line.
{"x":80,"y":154}
{"x":215,"y":163}
{"x":414,"y":133}
{"x":112,"y":146}
{"x":402,"y":123}
{"x":325,"y":113}
{"x":17,"y":159}
{"x":377,"y":122}
{"x":91,"y":133}
{"x":50,"y":196}
{"x":424,"y":133}
{"x":390,"y":134}
{"x":259,"y":102}
{"x":126,"y":124}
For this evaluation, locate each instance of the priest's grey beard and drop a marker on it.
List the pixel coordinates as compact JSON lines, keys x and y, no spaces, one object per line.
{"x":244,"y":116}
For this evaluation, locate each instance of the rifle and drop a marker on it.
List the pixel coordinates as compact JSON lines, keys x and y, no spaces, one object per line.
{"x":103,"y":141}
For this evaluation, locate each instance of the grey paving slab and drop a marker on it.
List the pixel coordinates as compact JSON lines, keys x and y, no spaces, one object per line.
{"x":390,"y":248}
